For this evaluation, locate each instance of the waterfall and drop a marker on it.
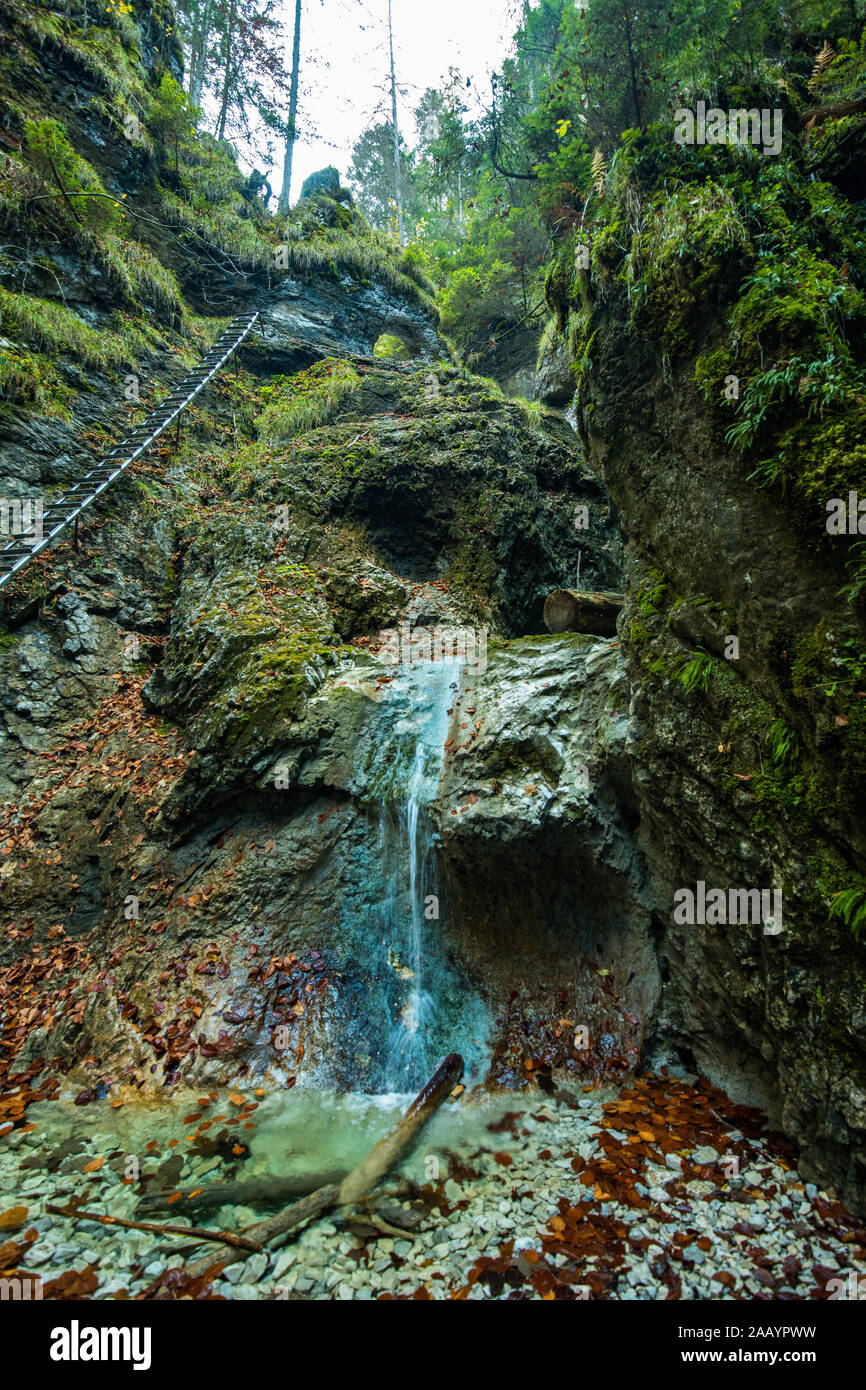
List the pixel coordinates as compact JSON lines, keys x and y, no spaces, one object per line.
{"x":410,"y":916}
{"x":410,"y":1000}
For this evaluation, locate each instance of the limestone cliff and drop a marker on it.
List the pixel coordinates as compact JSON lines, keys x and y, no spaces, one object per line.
{"x":721,"y":404}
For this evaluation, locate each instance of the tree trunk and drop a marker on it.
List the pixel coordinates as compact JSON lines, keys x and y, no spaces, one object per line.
{"x":198,"y":58}
{"x":398,"y":181}
{"x":264,"y":1191}
{"x":194,"y":50}
{"x":631,"y":65}
{"x":568,"y":610}
{"x":227,"y":76}
{"x":285,"y":193}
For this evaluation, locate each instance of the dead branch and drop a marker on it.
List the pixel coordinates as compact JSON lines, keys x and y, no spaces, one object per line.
{"x":263,"y":1191}
{"x":237,"y":1242}
{"x":834,"y":111}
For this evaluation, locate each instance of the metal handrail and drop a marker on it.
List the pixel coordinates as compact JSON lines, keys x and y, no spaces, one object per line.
{"x":131,"y":448}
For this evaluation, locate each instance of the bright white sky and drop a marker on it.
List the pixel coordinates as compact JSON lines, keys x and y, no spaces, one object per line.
{"x":344,"y":76}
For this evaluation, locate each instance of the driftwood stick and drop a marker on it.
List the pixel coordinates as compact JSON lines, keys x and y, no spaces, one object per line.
{"x":369,"y":1221}
{"x":382,"y":1158}
{"x":362,"y":1179}
{"x":264,"y":1191}
{"x":240,"y":1242}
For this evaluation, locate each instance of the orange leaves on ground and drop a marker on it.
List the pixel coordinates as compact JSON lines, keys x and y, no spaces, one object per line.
{"x":13,"y":1219}
{"x":94,"y":1165}
{"x":177,"y":1283}
{"x":75,"y":1284}
{"x":11,"y":1251}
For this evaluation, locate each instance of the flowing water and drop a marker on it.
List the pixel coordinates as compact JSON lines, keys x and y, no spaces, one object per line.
{"x":412,"y":905}
{"x":424,"y":1008}
{"x":409,"y":861}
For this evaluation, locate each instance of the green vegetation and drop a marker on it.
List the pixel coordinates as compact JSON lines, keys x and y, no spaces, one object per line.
{"x":305,"y":401}
{"x":390,"y":346}
{"x":850,"y":905}
{"x":783,"y":742}
{"x":695,"y":673}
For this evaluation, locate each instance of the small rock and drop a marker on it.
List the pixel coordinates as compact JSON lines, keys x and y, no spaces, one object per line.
{"x":255,"y":1267}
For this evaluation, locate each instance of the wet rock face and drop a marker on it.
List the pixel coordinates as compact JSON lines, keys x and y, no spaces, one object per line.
{"x":427,"y":486}
{"x":774,"y":1018}
{"x":546,"y":876}
{"x":224,"y":831}
{"x":304,"y":320}
{"x":509,"y":359}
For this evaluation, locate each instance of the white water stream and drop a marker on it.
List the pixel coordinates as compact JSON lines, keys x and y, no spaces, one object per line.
{"x":412,"y":907}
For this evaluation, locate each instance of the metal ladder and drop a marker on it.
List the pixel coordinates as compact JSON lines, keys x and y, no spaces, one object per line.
{"x":65,"y":510}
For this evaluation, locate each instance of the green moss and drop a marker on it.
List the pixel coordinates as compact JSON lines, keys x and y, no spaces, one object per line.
{"x":651,"y":594}
{"x":31,"y":381}
{"x":304,"y":402}
{"x":674,"y":269}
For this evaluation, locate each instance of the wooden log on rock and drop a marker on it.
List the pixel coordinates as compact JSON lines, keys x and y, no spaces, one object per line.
{"x":834,"y":111}
{"x":569,"y":610}
{"x":274,"y":1230}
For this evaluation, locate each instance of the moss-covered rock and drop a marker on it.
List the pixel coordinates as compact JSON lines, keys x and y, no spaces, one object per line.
{"x":718,"y":349}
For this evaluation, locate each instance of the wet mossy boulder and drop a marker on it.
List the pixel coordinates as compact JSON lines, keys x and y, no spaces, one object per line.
{"x":448,"y":480}
{"x":251,"y":636}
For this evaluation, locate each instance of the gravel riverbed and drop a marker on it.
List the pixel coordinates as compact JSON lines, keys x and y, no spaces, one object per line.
{"x":661,"y":1190}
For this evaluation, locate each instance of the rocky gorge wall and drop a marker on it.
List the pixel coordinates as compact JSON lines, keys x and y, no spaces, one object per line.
{"x":197,"y":726}
{"x":681,"y":316}
{"x":200,"y":744}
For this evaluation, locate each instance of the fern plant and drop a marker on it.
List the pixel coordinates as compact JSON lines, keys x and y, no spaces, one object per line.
{"x":850,"y":905}
{"x":600,"y":169}
{"x":695,"y":674}
{"x":783,"y":742}
{"x":822,"y":63}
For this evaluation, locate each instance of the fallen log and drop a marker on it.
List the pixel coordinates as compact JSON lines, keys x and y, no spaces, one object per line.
{"x":852,"y":107}
{"x":254,"y":1192}
{"x":568,"y":610}
{"x":382,"y":1158}
{"x":275,"y":1230}
{"x":238,"y":1242}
